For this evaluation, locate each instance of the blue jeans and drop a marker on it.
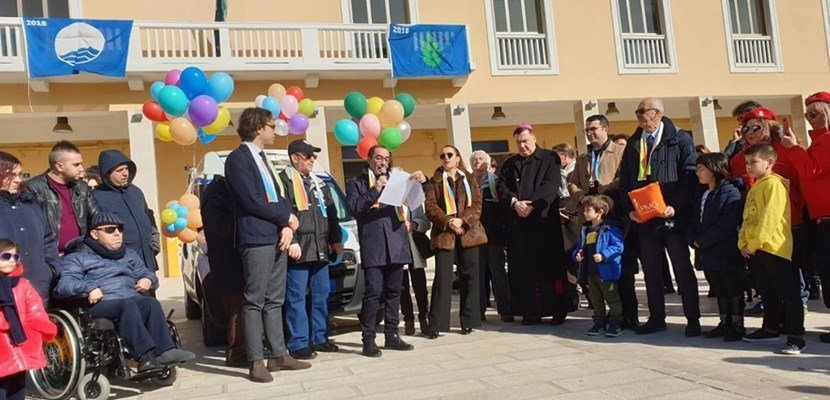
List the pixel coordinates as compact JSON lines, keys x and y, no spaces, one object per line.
{"x":307,"y":278}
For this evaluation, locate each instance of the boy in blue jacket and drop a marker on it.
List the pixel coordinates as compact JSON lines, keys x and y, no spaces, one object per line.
{"x":600,"y":256}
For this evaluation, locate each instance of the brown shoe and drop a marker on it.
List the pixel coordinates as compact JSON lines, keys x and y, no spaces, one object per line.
{"x":409,"y":328}
{"x":259,"y":373}
{"x":286,"y":363}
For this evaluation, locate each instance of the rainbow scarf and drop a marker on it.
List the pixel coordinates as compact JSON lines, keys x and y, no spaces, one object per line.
{"x":276,"y":173}
{"x":300,"y":194}
{"x":645,"y":162}
{"x":399,"y":211}
{"x":270,"y":191}
{"x":449,"y":195}
{"x":489,"y":183}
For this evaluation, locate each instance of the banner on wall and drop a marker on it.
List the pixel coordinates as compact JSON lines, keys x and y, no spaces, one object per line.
{"x":58,"y":47}
{"x":428,"y":50}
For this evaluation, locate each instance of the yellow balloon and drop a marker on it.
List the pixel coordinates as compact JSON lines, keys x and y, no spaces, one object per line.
{"x":277,"y":91}
{"x":306,"y":107}
{"x":223,"y":118}
{"x":374,"y":105}
{"x":163,"y":132}
{"x":391,"y":114}
{"x":183,"y":131}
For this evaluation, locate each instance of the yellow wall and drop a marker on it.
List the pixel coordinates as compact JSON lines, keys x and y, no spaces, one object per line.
{"x":34,"y":157}
{"x":327,"y":11}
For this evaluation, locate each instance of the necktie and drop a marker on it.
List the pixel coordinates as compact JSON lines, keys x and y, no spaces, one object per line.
{"x":650,"y":143}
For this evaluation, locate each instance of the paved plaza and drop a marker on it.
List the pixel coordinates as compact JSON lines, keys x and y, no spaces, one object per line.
{"x":509,"y":361}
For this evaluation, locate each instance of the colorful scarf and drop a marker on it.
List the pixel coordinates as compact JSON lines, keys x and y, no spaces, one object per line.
{"x":267,"y":181}
{"x":645,"y":162}
{"x":300,"y":193}
{"x":491,"y":184}
{"x":449,"y":195}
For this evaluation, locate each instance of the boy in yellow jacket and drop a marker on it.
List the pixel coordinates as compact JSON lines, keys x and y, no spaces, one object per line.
{"x":766,"y":240}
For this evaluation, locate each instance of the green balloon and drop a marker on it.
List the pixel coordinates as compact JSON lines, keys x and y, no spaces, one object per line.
{"x":407,"y":102}
{"x":390,"y":138}
{"x":355,"y":103}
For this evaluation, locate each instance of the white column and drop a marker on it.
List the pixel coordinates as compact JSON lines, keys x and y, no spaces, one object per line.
{"x":317,"y":136}
{"x":704,"y":123}
{"x":582,"y":110}
{"x":799,"y":124}
{"x":143,"y":154}
{"x":458,"y":129}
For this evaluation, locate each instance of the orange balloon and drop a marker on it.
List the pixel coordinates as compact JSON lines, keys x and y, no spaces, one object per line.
{"x":187,"y":235}
{"x":190,"y":201}
{"x":194,"y":219}
{"x":391,"y":113}
{"x":182,"y":131}
{"x":277,"y":91}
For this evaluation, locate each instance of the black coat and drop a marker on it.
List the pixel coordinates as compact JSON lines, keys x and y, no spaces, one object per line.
{"x":717,"y":234}
{"x":316,"y":232}
{"x":672,"y":164}
{"x":22,"y":220}
{"x":383,"y":237}
{"x":225,"y":260}
{"x":493,"y":217}
{"x":128,"y":202}
{"x":258,"y":222}
{"x":83,"y":203}
{"x":536,"y":179}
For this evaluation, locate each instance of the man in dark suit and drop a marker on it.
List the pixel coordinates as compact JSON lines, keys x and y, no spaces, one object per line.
{"x":384,"y":249}
{"x":264,"y":230}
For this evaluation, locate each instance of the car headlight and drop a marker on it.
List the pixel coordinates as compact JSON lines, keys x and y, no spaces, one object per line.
{"x":349,"y":257}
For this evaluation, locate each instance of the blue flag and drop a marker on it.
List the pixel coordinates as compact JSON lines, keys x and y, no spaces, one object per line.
{"x":428,"y":50}
{"x":57,"y":47}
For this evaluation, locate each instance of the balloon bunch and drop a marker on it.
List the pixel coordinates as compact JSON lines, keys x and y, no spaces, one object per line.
{"x":374,"y":122}
{"x":186,"y":106}
{"x":182,"y":218}
{"x":290,"y":108}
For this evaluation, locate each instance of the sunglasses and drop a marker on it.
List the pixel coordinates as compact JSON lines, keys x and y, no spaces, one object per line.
{"x":811,"y":114}
{"x":8,"y":256}
{"x":310,"y":156}
{"x":753,"y":128}
{"x":111,"y":229}
{"x":445,"y":156}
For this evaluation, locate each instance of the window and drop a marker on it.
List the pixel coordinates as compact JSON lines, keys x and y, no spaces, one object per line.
{"x":643,"y":35}
{"x":498,"y":150}
{"x":752,"y":34}
{"x":521,"y":37}
{"x":353,"y":165}
{"x":35,"y":8}
{"x":379,"y":12}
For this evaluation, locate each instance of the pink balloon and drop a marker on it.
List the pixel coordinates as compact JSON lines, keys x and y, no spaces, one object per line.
{"x":172,"y":77}
{"x":370,"y":125}
{"x":298,"y":124}
{"x":289,"y":106}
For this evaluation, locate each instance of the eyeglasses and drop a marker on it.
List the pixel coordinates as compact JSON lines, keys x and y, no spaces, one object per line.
{"x":753,"y":128}
{"x":382,"y":158}
{"x":272,"y":126}
{"x":445,"y":156}
{"x":9,"y":256}
{"x":592,"y":129}
{"x":111,"y":229}
{"x":811,"y":114}
{"x":643,"y":111}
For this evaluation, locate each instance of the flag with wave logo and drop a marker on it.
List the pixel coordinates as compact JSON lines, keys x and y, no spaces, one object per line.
{"x":429,"y":50}
{"x":57,"y":47}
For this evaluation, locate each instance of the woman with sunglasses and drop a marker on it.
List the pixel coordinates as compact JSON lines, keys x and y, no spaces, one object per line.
{"x":453,"y":205}
{"x":22,"y":220}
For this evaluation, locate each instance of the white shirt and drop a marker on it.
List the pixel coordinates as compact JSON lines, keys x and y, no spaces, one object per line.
{"x":658,"y":134}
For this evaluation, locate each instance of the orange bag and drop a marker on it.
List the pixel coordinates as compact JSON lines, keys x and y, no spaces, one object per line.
{"x":648,"y":201}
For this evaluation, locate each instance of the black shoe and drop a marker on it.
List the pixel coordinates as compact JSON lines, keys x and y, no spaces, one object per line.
{"x":734,"y":334}
{"x":147,"y":363}
{"x":409,"y":328}
{"x":327,"y":347}
{"x":432,"y":335}
{"x":651,"y":326}
{"x":556,"y":321}
{"x":631,"y":323}
{"x":394,"y":342}
{"x":466,"y":331}
{"x":370,"y":349}
{"x":304,"y":354}
{"x":668,"y":290}
{"x":824,"y":337}
{"x":795,"y":345}
{"x":531,"y":321}
{"x":174,"y":356}
{"x":719,"y":331}
{"x":815,"y":292}
{"x":711,"y":294}
{"x":693,"y":328}
{"x":761,"y":335}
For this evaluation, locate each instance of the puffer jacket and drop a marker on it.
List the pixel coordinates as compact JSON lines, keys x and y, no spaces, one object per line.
{"x":84,"y":271}
{"x":610,"y":245}
{"x":36,"y":324}
{"x":83,"y":203}
{"x":442,"y":237}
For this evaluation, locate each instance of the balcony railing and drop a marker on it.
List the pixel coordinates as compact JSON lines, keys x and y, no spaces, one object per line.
{"x":522,"y":51}
{"x":645,"y":51}
{"x":753,"y":50}
{"x":11,"y":56}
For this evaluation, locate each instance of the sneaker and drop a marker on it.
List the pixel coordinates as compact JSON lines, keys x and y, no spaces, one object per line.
{"x":761,"y":335}
{"x":755,"y":311}
{"x":794,"y":345}
{"x":614,"y":329}
{"x":597,"y":329}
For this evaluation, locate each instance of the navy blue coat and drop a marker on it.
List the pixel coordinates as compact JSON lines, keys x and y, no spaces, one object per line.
{"x":85,"y":271}
{"x":717,"y":234}
{"x":22,"y":220}
{"x":129,"y":204}
{"x":383,"y":237}
{"x":258,"y":222}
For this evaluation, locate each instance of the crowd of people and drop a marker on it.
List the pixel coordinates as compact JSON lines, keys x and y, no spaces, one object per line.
{"x":564,"y":222}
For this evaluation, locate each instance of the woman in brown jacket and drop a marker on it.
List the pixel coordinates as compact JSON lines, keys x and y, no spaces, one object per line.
{"x":453,"y":205}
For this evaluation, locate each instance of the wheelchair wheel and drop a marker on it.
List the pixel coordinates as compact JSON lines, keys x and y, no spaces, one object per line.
{"x":166,"y":378}
{"x":65,"y":365}
{"x":93,"y":390}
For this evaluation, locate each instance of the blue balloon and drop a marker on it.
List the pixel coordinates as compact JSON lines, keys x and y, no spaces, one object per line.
{"x":182,"y":212}
{"x":155,"y":88}
{"x":193,"y":82}
{"x":271,"y":104}
{"x":207,"y":138}
{"x":347,"y":132}
{"x":180,"y":224}
{"x":171,"y":228}
{"x":173,"y":100}
{"x":220,"y":87}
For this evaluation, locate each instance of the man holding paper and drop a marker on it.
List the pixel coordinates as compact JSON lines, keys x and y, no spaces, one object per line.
{"x":385,"y":249}
{"x":660,"y":152}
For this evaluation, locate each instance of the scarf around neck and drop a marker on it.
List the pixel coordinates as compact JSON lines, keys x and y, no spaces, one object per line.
{"x":104,"y":252}
{"x":9,"y":306}
{"x":450,"y":206}
{"x":299,"y":192}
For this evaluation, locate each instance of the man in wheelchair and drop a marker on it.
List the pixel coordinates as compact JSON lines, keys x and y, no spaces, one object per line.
{"x":116,"y":283}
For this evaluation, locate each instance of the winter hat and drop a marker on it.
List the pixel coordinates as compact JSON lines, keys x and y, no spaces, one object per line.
{"x":105,"y":218}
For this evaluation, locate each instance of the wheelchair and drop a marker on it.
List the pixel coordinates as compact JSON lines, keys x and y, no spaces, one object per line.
{"x":86,"y":353}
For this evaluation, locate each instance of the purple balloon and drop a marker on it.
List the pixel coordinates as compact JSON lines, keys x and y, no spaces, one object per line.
{"x":298,"y":124}
{"x":203,"y":110}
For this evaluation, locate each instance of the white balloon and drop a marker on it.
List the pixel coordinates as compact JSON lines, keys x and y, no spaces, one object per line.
{"x":282,"y":127}
{"x":259,"y":100}
{"x":406,"y":130}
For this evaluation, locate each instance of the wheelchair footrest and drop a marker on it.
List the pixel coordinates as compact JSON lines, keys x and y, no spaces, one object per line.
{"x":147,"y":374}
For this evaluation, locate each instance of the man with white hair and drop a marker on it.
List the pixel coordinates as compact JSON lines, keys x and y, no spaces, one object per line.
{"x":493,"y":218}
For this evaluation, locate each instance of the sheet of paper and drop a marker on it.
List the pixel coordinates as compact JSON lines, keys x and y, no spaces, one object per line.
{"x":414,"y":195}
{"x":396,"y":189}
